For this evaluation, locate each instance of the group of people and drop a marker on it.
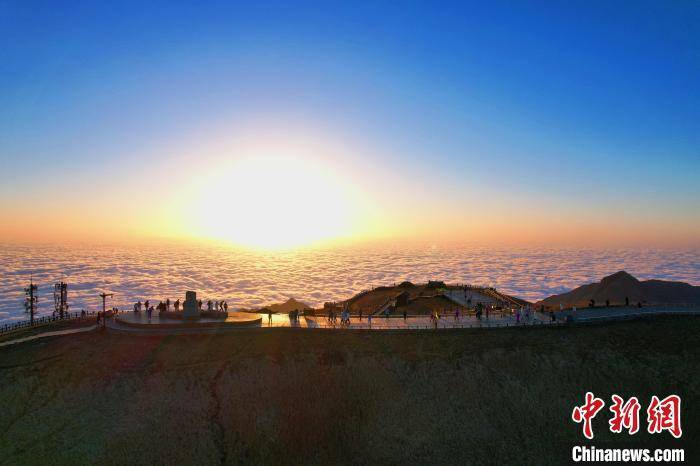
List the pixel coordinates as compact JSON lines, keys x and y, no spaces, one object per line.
{"x":332,"y":317}
{"x":214,"y":306}
{"x":164,"y":306}
{"x":522,"y":314}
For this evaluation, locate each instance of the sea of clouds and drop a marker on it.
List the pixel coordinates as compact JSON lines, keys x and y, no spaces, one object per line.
{"x":251,"y":279}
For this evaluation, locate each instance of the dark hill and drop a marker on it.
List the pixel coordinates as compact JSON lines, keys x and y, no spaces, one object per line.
{"x":290,"y":305}
{"x":621,"y":285}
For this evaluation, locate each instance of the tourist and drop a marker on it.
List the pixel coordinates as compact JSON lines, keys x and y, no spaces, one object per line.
{"x":360,"y":314}
{"x":551,"y":316}
{"x":405,"y":314}
{"x":136,"y":307}
{"x":369,"y":320}
{"x":167,"y":304}
{"x":146,"y":305}
{"x":269,"y":316}
{"x":177,"y":305}
{"x":225,"y":306}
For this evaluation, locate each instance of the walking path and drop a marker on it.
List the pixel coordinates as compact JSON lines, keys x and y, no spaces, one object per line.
{"x":321,"y":322}
{"x":495,"y":320}
{"x":618,"y":312}
{"x":48,"y":334}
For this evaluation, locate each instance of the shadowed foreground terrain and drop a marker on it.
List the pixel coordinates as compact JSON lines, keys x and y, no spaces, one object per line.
{"x":286,"y":396}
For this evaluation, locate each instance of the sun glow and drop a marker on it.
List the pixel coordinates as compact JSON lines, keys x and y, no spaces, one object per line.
{"x":276,"y":202}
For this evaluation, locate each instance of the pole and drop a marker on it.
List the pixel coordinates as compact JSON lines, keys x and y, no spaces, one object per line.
{"x":104,"y":297}
{"x":30,"y":302}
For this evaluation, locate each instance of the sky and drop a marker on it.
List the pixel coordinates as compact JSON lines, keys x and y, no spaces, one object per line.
{"x":280,"y":124}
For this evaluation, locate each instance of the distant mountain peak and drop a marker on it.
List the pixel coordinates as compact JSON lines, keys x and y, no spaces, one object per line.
{"x":623,"y":288}
{"x":622,"y":275}
{"x":290,"y":304}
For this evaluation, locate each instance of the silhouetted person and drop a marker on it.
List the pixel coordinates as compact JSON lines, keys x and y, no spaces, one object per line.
{"x":627,"y":301}
{"x":177,"y":305}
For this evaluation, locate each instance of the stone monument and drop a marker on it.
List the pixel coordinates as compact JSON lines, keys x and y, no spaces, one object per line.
{"x":190,"y":308}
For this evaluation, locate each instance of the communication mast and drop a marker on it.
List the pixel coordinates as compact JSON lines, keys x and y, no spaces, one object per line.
{"x":30,"y":300}
{"x":60,"y":298}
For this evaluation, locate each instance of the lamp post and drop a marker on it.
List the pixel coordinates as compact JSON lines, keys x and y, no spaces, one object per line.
{"x":104,"y":297}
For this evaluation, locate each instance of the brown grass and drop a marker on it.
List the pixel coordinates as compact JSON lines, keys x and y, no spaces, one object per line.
{"x":301,"y":397}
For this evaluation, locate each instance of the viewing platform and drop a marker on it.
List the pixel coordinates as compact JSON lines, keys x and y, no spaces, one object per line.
{"x":233,"y":319}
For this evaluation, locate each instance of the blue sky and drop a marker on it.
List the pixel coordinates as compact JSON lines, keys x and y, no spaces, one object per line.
{"x":583,"y":105}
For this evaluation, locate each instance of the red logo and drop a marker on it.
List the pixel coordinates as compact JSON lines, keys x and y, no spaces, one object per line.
{"x":625,"y":415}
{"x":665,"y":415}
{"x":662,"y":415}
{"x":587,"y":412}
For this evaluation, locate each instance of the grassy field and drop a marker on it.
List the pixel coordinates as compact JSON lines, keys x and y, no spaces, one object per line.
{"x":301,"y":397}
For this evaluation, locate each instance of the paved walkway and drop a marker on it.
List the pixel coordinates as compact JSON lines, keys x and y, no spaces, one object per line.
{"x":318,"y":322}
{"x":621,"y":312}
{"x":392,"y":323}
{"x":48,"y":334}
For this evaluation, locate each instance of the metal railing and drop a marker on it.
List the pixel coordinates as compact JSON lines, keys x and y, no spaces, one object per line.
{"x":38,"y":321}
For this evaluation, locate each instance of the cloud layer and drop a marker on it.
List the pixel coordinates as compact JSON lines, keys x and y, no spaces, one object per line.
{"x":250,"y":279}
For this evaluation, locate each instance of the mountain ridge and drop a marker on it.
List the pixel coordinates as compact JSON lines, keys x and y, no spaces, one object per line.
{"x":620,"y":287}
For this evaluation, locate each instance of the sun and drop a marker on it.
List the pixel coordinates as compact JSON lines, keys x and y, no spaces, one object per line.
{"x":273,"y":202}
